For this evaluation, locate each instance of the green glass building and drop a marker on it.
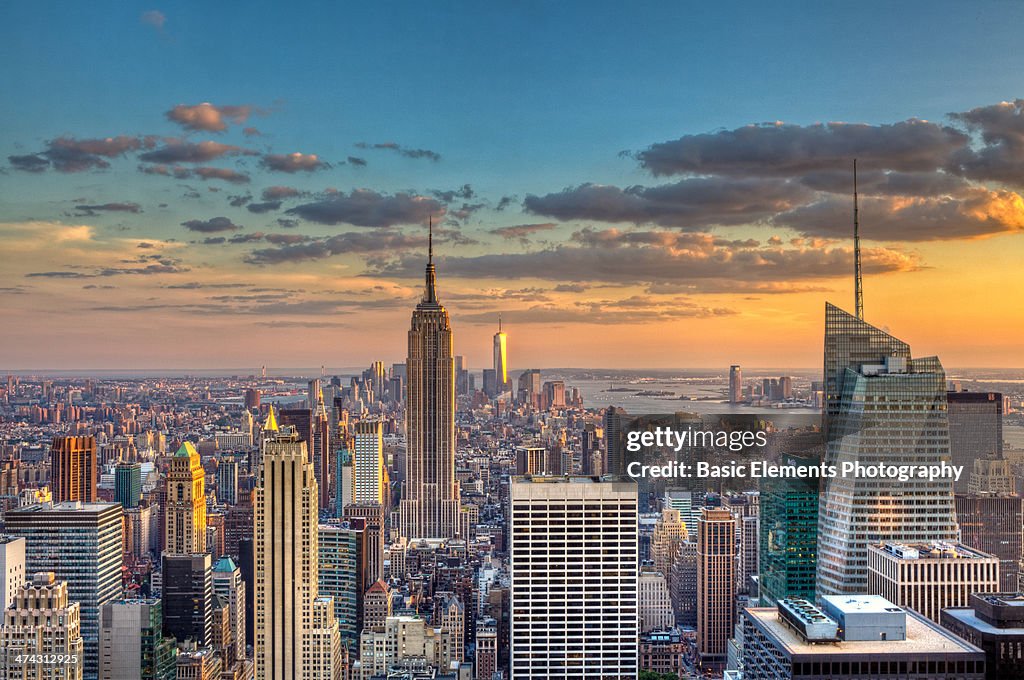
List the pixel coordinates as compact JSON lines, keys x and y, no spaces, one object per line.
{"x":789,"y":535}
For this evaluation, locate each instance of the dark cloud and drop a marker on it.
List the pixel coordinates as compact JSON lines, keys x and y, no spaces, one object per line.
{"x":240,"y":200}
{"x":463,"y":193}
{"x":212,"y":225}
{"x":90,"y":210}
{"x":886,"y":183}
{"x":367,"y":208}
{"x":404,"y":151}
{"x":68,"y":154}
{"x":278,"y":193}
{"x":633,"y":310}
{"x":29,"y":163}
{"x":293,"y":162}
{"x":787,"y":150}
{"x":1000,"y":158}
{"x":288,"y":239}
{"x":58,"y":275}
{"x":207,"y":117}
{"x":180,"y":151}
{"x":522,"y":231}
{"x":177,"y":172}
{"x":225,"y":174}
{"x":691,"y":203}
{"x":357,"y":161}
{"x":286,"y":223}
{"x":350,"y":242}
{"x":260,"y":208}
{"x":504,"y":202}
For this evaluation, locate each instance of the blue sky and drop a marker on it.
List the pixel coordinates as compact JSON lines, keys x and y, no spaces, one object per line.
{"x":516,"y":99}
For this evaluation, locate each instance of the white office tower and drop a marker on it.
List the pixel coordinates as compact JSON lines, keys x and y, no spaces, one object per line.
{"x":573,"y":561}
{"x":882,"y":408}
{"x":43,"y":622}
{"x":286,"y":551}
{"x":228,"y":586}
{"x":368,"y":462}
{"x":12,"y":569}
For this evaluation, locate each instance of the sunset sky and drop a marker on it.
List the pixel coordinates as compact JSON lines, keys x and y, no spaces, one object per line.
{"x":645,"y":185}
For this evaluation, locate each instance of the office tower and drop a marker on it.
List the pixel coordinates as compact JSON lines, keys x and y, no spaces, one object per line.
{"x":735,"y":385}
{"x":43,"y":621}
{"x":140,"y":539}
{"x":73,"y":471}
{"x":185,"y":514}
{"x":372,"y":515}
{"x":888,"y":408}
{"x":368,"y":470}
{"x":529,"y":390}
{"x":188,"y":598}
{"x":500,"y":355}
{"x":490,"y":380}
{"x":321,"y":450}
{"x":531,"y":460}
{"x":247,"y":565}
{"x":688,"y":507}
{"x":669,"y":532}
{"x":228,"y":588}
{"x":746,"y":508}
{"x":128,"y":484}
{"x":995,"y":623}
{"x":286,"y":560}
{"x":716,"y":585}
{"x":450,"y":616}
{"x":461,"y":376}
{"x":991,"y":476}
{"x":326,"y":658}
{"x":994,"y":525}
{"x":430,"y":495}
{"x":132,"y":643}
{"x":313,"y":393}
{"x":344,"y":479}
{"x":789,"y":535}
{"x":486,"y":661}
{"x":407,"y":643}
{"x":852,"y":637}
{"x":252,"y":399}
{"x":342,"y":570}
{"x":590,"y":448}
{"x":81,"y":544}
{"x":227,"y":481}
{"x":655,"y":603}
{"x":199,"y":664}
{"x":573,"y":563}
{"x":975,"y":430}
{"x":376,"y":606}
{"x":12,"y":568}
{"x":930,"y":577}
{"x":615,"y":420}
{"x":553,"y":395}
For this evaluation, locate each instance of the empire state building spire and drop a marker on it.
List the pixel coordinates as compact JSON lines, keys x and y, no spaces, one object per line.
{"x":430,"y":290}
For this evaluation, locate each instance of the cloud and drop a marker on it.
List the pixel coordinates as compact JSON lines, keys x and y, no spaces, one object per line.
{"x":29,"y":163}
{"x":781,"y":150}
{"x":980,"y":212}
{"x":301,"y":250}
{"x":276,"y":193}
{"x":293,"y":162}
{"x":367,"y":208}
{"x":68,"y":154}
{"x":177,"y":172}
{"x":265,"y":207}
{"x":179,"y":151}
{"x":251,"y":132}
{"x":154,"y":18}
{"x":464,"y":193}
{"x":357,"y":161}
{"x":90,"y":210}
{"x":212,"y":225}
{"x":207,"y":117}
{"x":522,"y":232}
{"x":225,"y":174}
{"x":1000,"y":158}
{"x":636,"y":309}
{"x":401,"y":150}
{"x":690,"y":203}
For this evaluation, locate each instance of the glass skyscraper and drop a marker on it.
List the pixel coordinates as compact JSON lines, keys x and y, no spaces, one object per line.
{"x":882,"y":407}
{"x":789,"y":535}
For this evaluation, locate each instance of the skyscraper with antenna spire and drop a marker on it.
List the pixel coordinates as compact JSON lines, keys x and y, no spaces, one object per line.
{"x":501,"y":380}
{"x":858,"y":281}
{"x":430,"y":496}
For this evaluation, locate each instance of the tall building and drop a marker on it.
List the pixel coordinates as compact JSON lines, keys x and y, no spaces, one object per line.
{"x":716,"y":585}
{"x":227,"y":481}
{"x":188,"y":598}
{"x":746,"y":508}
{"x":573,"y":562}
{"x":852,"y":637}
{"x":185,"y":515}
{"x":42,"y":622}
{"x":320,"y":449}
{"x":81,"y":543}
{"x":655,"y":603}
{"x":881,"y":407}
{"x":372,"y":516}
{"x":342,"y":573}
{"x":12,"y":568}
{"x":73,"y":470}
{"x":994,"y":525}
{"x":529,"y":388}
{"x":615,"y":421}
{"x":406,"y":644}
{"x":228,"y":587}
{"x":995,"y":623}
{"x":501,"y":380}
{"x":531,"y":460}
{"x":789,"y":535}
{"x":975,"y":430}
{"x":735,"y":384}
{"x":289,"y":612}
{"x":430,"y":495}
{"x":368,"y":470}
{"x":486,"y":661}
{"x":128,"y":484}
{"x":132,"y":643}
{"x":669,"y":532}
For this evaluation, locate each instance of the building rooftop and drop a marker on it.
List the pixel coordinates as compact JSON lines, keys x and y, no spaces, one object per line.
{"x":969,"y":616}
{"x":941,"y":550}
{"x":923,"y":636}
{"x":64,"y":506}
{"x":570,"y":479}
{"x":862,"y":604}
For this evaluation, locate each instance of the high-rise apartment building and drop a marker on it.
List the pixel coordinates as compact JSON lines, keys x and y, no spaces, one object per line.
{"x":73,"y":469}
{"x":185,"y":514}
{"x":43,"y":624}
{"x":735,"y":384}
{"x":12,"y":568}
{"x":368,"y":469}
{"x":227,"y":481}
{"x":716,"y":585}
{"x":975,"y":430}
{"x":994,"y":525}
{"x":228,"y":588}
{"x":132,"y":643}
{"x":128,"y":484}
{"x":430,"y":495}
{"x":882,"y":407}
{"x":789,"y":535}
{"x":81,"y":543}
{"x":573,"y":562}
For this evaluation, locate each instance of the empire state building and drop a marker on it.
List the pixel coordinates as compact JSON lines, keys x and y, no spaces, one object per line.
{"x":430,"y":495}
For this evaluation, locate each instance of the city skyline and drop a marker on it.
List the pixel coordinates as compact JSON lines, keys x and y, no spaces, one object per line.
{"x":638,"y":191}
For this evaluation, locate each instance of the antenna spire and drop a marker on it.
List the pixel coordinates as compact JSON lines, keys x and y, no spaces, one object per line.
{"x":858,"y":281}
{"x":430,"y":240}
{"x":430,"y":290}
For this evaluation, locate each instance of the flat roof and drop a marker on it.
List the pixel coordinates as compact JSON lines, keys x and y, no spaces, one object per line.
{"x":64,"y":506}
{"x":862,"y":604}
{"x":949,"y":550}
{"x":923,"y":637}
{"x":969,"y":616}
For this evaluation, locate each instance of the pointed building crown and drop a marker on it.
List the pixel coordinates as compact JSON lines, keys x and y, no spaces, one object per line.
{"x":270,"y":424}
{"x":186,"y":450}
